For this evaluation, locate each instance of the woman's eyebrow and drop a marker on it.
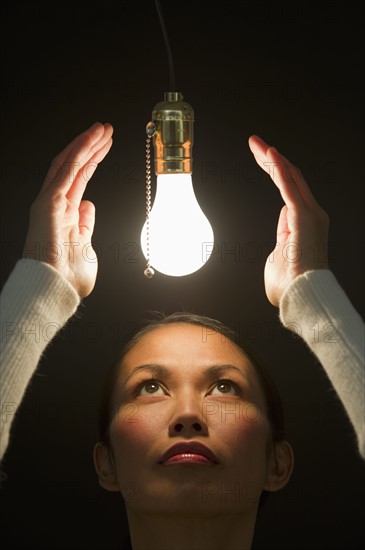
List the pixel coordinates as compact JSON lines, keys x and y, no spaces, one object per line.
{"x":217,"y":370}
{"x":211,"y":371}
{"x":158,"y":370}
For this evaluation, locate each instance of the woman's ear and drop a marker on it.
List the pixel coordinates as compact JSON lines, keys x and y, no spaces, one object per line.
{"x":280,"y":467}
{"x":105,"y":468}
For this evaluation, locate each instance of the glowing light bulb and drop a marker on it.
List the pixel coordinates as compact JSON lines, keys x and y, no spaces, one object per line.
{"x":177,"y":238}
{"x":180,"y":235}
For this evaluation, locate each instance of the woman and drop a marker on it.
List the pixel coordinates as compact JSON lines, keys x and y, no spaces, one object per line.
{"x":180,"y":495}
{"x":191,"y":429}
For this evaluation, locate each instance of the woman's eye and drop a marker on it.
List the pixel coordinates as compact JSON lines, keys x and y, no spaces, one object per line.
{"x":150,"y":387}
{"x":224,"y":387}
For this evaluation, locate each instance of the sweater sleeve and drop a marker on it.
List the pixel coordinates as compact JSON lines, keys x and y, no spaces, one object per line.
{"x":316,"y":307}
{"x":35,"y":302}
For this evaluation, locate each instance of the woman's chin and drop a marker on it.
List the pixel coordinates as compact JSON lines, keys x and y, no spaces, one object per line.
{"x":187,"y":497}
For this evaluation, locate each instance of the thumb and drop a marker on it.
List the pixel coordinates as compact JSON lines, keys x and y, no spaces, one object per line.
{"x":86,"y":218}
{"x":283,"y":226}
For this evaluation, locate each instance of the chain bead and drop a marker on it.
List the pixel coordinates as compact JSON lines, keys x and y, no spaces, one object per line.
{"x":150,"y":129}
{"x":149,"y":272}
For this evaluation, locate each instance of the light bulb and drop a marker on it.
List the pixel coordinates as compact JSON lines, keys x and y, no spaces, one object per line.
{"x":177,"y":238}
{"x":180,"y":235}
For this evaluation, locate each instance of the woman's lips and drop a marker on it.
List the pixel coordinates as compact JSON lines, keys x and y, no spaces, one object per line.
{"x":188,"y":458}
{"x":192,"y":452}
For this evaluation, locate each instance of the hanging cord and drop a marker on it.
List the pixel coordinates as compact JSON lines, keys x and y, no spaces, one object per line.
{"x":150,"y":131}
{"x":169,"y":54}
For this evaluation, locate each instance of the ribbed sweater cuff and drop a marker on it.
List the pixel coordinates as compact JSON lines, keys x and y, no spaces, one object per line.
{"x":317,"y":307}
{"x":36,"y":288}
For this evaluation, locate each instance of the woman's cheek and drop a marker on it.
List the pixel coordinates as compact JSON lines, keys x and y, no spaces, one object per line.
{"x":232,"y":415}
{"x":136,"y":424}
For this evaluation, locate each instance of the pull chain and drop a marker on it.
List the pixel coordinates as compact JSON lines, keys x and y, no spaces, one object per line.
{"x":150,"y":131}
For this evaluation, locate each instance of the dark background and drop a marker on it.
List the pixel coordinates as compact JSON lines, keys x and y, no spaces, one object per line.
{"x":291,"y":73}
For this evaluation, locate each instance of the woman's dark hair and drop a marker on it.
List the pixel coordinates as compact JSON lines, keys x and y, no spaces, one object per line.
{"x":274,"y":409}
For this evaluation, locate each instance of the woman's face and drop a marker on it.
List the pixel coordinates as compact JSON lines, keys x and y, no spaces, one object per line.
{"x":186,"y":384}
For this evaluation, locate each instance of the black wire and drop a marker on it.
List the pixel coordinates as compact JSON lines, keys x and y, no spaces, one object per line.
{"x":169,"y":54}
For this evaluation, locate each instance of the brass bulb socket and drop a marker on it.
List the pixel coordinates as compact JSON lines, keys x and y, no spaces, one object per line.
{"x":173,"y":138}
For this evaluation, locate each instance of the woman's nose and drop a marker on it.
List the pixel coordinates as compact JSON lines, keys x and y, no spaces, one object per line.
{"x":195,"y":426}
{"x":188,"y":419}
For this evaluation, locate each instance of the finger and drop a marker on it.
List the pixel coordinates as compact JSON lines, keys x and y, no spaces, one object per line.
{"x":301,"y":183}
{"x":262,"y":151}
{"x":78,"y":157}
{"x":77,"y":161}
{"x":86,"y":219}
{"x":101,"y":143}
{"x":102,"y":152}
{"x":259,"y":149}
{"x":257,"y":144}
{"x":282,"y":174}
{"x":68,"y":162}
{"x":84,"y":175}
{"x":274,"y":164}
{"x":58,"y":161}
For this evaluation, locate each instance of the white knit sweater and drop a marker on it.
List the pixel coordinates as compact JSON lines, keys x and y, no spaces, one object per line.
{"x":37,"y":301}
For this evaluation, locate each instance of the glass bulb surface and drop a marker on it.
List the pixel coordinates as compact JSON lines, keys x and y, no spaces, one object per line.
{"x":180,"y":236}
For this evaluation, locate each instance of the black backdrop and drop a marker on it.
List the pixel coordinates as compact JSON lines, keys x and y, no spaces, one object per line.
{"x":291,"y":73}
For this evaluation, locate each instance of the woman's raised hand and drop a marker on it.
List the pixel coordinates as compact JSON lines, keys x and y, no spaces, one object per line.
{"x":302,"y":231}
{"x":61,"y":223}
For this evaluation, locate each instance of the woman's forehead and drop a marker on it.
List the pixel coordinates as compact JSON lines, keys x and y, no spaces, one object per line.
{"x":184,"y":342}
{"x":181,"y":333}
